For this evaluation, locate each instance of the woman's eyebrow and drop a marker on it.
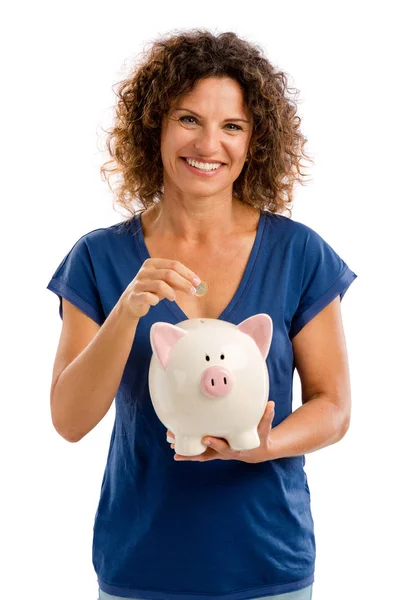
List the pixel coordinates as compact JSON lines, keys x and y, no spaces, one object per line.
{"x":200,"y":117}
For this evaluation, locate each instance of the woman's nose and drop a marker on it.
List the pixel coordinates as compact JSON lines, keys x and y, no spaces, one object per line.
{"x":207,"y":141}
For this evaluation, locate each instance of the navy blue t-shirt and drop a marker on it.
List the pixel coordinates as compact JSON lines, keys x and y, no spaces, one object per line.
{"x":189,"y":530}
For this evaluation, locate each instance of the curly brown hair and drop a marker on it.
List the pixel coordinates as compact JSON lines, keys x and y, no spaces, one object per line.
{"x":172,"y":66}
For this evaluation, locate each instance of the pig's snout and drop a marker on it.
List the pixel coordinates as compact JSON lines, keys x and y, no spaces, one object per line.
{"x":216,"y":382}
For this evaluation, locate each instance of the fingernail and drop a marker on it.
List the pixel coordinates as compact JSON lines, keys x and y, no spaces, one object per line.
{"x":196,"y":280}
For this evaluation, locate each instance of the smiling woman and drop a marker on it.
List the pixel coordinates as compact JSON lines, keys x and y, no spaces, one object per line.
{"x":204,"y":144}
{"x":208,"y":142}
{"x":251,"y":109}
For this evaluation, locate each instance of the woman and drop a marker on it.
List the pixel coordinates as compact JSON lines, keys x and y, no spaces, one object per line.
{"x":207,"y":140}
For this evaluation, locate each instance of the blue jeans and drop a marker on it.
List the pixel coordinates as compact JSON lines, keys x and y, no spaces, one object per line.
{"x":305,"y":594}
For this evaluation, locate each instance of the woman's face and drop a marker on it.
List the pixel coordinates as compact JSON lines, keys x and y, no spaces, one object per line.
{"x":210,"y":125}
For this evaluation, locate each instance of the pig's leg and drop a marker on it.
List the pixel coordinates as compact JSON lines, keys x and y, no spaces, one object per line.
{"x":188,"y":445}
{"x":246,"y":440}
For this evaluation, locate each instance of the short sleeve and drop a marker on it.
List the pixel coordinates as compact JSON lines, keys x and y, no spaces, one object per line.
{"x":75,"y":280}
{"x":325,"y":276}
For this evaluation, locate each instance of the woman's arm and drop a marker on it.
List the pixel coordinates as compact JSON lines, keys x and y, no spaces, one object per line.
{"x":83,"y":391}
{"x":321,"y":360}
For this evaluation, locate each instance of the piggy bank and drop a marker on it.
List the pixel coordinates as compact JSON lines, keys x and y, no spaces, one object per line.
{"x":209,"y":377}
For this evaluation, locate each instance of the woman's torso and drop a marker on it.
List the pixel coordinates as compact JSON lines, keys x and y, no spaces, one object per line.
{"x":146,"y":497}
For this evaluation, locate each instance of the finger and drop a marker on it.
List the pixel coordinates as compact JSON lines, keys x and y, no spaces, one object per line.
{"x":270,"y":409}
{"x":218,"y":444}
{"x":172,"y":265}
{"x":268,"y":416}
{"x":170,"y":436}
{"x":210,"y":452}
{"x":219,"y":448}
{"x":177,"y":281}
{"x":207,"y":455}
{"x":193,"y":457}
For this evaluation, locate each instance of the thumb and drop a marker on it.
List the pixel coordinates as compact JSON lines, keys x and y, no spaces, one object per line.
{"x":268,"y":416}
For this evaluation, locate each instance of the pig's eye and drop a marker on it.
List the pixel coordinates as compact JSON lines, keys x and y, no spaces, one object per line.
{"x":207,"y":357}
{"x":222,"y":356}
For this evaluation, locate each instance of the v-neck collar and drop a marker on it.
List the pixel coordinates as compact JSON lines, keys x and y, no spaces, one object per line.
{"x":235,"y":301}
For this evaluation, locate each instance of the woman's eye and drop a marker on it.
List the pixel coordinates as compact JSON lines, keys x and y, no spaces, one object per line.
{"x":187,"y":117}
{"x":182,"y":118}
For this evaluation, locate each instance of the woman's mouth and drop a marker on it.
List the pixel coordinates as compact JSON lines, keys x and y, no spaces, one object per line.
{"x":206,"y":171}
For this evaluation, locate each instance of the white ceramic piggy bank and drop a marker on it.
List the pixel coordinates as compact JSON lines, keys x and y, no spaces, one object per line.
{"x":209,"y":377}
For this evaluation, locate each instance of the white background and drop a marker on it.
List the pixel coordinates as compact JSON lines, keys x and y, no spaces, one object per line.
{"x":59,"y":62}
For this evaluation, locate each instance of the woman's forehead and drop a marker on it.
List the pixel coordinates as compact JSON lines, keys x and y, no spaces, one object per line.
{"x":225,"y":96}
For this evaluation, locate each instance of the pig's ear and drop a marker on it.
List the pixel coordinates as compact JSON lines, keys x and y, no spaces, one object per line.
{"x":163,"y":337}
{"x":259,"y":327}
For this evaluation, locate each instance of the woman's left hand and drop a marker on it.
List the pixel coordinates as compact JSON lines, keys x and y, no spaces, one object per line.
{"x":219,"y":448}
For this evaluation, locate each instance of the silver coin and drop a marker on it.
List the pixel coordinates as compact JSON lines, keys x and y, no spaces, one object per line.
{"x":201,"y":289}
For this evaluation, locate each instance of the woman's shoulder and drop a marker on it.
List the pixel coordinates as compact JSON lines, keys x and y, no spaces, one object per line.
{"x":114,"y":231}
{"x":288,"y":224}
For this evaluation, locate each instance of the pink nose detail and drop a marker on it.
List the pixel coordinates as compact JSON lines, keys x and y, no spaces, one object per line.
{"x":216,"y":382}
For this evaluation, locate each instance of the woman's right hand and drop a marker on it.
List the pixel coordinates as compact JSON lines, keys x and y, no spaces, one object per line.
{"x":158,"y":278}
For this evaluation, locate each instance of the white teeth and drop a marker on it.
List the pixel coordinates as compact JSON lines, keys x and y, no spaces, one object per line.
{"x":203,"y":166}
